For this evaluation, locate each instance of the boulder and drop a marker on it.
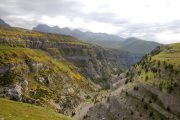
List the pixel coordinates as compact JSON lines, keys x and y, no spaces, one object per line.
{"x":3,"y":69}
{"x":15,"y":92}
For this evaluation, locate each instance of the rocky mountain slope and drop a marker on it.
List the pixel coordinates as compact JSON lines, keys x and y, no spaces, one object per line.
{"x":133,"y":45}
{"x":55,"y":71}
{"x":148,"y":91}
{"x":63,"y":74}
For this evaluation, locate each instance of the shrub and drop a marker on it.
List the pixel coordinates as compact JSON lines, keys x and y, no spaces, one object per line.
{"x":40,"y":93}
{"x":154,"y":70}
{"x":151,"y":114}
{"x":127,"y":93}
{"x":85,"y":116}
{"x":175,"y":84}
{"x":127,"y":74}
{"x":145,"y":106}
{"x":142,"y":99}
{"x":136,"y":88}
{"x":168,"y":108}
{"x":108,"y":99}
{"x":6,"y":78}
{"x":154,"y":97}
{"x":159,"y":63}
{"x":146,"y":78}
{"x":132,"y":113}
{"x":160,"y":86}
{"x":73,"y":114}
{"x":150,"y":101}
{"x":126,"y":81}
{"x":88,"y":97}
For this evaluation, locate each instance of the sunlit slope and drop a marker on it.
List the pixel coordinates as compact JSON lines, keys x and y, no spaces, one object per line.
{"x":162,"y":68}
{"x":10,"y":110}
{"x":148,"y":91}
{"x":31,"y":75}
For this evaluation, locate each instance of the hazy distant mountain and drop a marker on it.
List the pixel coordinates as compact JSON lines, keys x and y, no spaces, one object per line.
{"x":135,"y":45}
{"x":77,"y":33}
{"x":132,"y":45}
{"x":3,"y":24}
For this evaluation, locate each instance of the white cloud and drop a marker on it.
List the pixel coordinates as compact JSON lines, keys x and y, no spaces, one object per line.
{"x":168,"y":37}
{"x":147,"y":19}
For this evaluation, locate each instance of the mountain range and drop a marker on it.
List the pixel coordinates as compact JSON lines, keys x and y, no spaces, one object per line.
{"x":133,"y":45}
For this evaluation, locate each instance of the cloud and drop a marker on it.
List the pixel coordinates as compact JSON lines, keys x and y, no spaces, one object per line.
{"x":41,"y":7}
{"x":160,"y":32}
{"x":141,"y":18}
{"x":106,"y":17}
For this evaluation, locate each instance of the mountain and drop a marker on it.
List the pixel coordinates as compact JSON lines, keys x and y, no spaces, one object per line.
{"x":148,"y":91}
{"x":3,"y":24}
{"x":51,"y":73}
{"x":138,"y":46}
{"x":57,"y":72}
{"x":87,"y":36}
{"x":133,"y":45}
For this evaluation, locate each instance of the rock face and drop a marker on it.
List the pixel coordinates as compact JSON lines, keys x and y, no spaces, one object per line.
{"x":94,"y":62}
{"x":3,"y":69}
{"x":54,"y":70}
{"x":15,"y":92}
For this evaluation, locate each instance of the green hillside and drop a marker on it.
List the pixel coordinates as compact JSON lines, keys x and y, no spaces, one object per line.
{"x":10,"y":110}
{"x":162,"y":68}
{"x":132,"y":45}
{"x":36,"y":76}
{"x":138,"y":46}
{"x":57,"y":72}
{"x":148,"y":91}
{"x":33,"y":69}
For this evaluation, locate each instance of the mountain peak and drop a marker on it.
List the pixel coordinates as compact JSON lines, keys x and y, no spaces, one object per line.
{"x":3,"y":24}
{"x":80,"y":34}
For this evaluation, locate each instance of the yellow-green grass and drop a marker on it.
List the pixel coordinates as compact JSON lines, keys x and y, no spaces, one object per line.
{"x":13,"y":35}
{"x":16,"y":55}
{"x":11,"y":110}
{"x":151,"y":77}
{"x":165,"y":79}
{"x":170,"y":54}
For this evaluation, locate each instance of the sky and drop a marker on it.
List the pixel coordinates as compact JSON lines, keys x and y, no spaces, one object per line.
{"x":154,"y":20}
